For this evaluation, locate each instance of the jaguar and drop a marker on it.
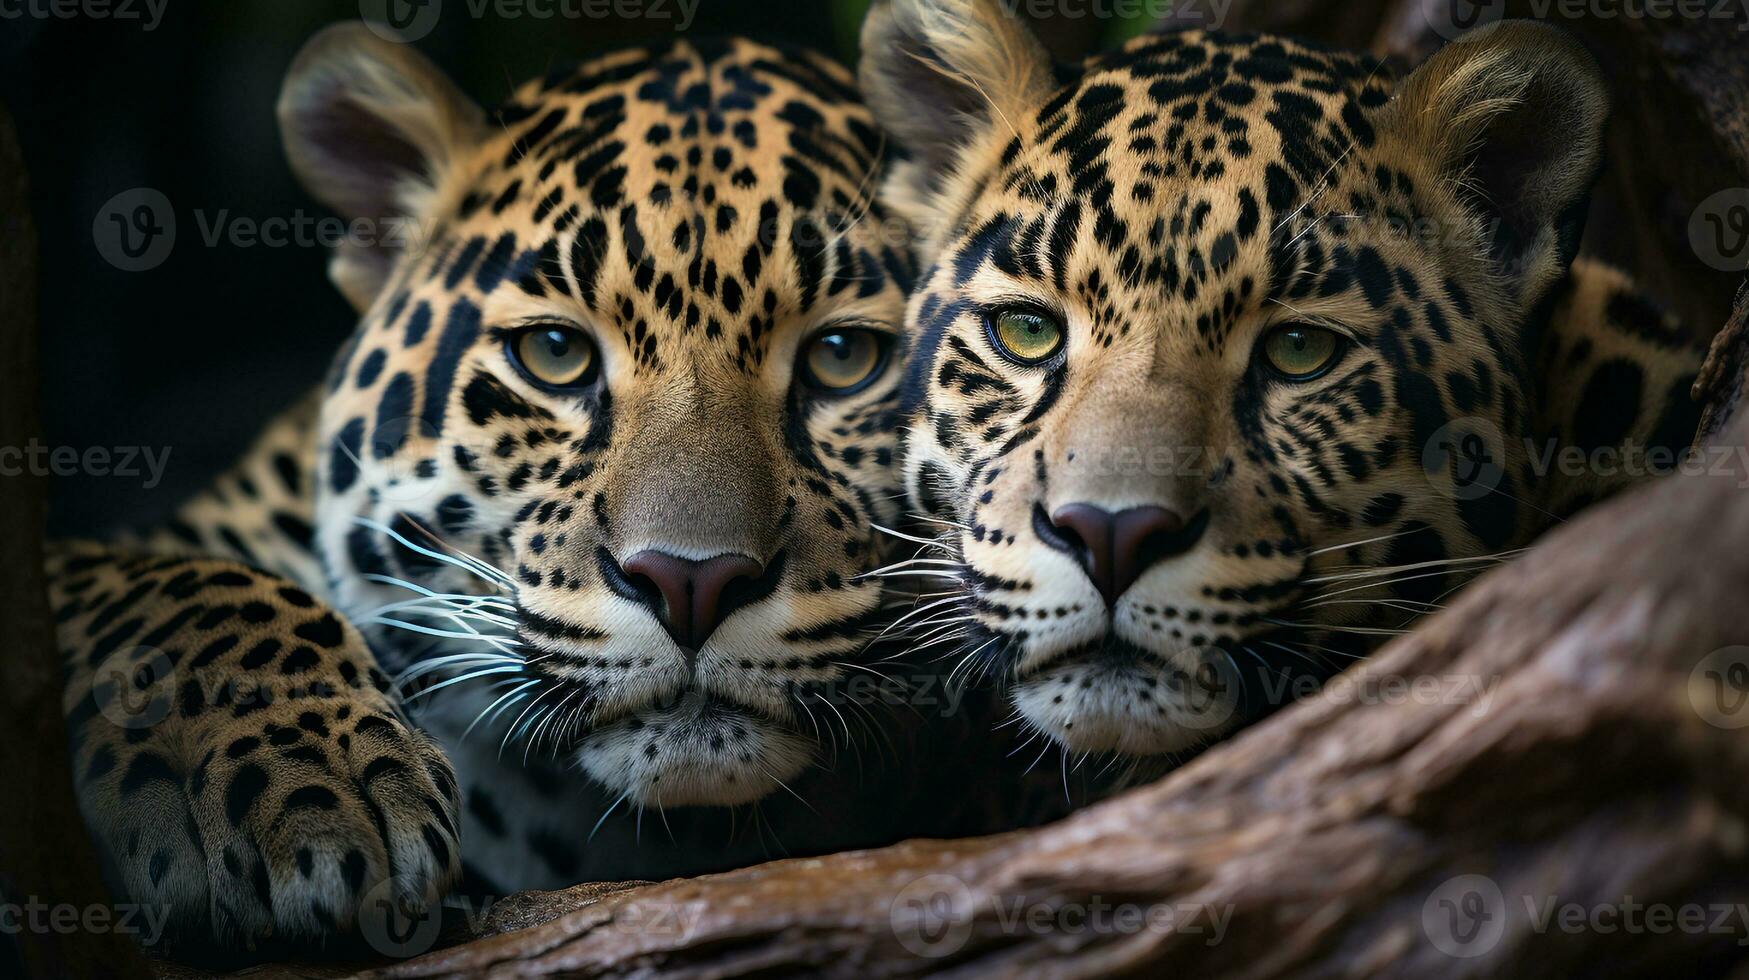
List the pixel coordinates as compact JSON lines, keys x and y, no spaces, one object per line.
{"x":1235,"y":355}
{"x":579,"y":522}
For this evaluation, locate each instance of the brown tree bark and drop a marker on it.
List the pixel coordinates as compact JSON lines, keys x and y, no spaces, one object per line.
{"x":44,"y":854}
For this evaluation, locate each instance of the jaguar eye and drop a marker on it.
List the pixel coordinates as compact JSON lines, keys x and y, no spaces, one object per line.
{"x":1026,"y":336}
{"x":1299,"y":352}
{"x":843,"y":361}
{"x":554,"y":356}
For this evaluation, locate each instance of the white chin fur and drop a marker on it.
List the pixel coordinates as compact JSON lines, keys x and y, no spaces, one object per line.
{"x":1135,"y":708}
{"x":697,"y":753}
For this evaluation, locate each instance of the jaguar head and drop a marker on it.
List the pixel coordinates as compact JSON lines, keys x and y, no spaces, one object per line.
{"x":1200,"y":325}
{"x":620,"y":400}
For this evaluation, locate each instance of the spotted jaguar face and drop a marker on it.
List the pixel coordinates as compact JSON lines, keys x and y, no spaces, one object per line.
{"x":1193,"y":320}
{"x":628,"y":353}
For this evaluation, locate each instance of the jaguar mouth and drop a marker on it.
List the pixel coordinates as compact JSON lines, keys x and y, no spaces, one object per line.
{"x":1118,"y":697}
{"x":694,"y":749}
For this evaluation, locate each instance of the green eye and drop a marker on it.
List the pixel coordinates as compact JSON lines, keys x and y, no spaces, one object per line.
{"x":843,"y":361}
{"x":554,"y":356}
{"x":1299,"y":352}
{"x":1026,"y":336}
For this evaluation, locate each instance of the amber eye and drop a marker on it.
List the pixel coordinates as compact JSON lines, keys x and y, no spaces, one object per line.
{"x":1026,"y":336}
{"x":1300,"y":352}
{"x":554,"y":356}
{"x":846,"y":360}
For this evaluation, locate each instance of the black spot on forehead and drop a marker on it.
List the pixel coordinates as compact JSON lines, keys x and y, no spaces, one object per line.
{"x":1207,"y":98}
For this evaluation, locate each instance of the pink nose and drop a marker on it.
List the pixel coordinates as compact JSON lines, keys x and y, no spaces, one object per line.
{"x":1110,"y":546}
{"x":692,"y":591}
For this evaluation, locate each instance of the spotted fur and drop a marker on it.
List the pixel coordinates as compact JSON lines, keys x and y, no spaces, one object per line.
{"x":700,"y":210}
{"x":1172,"y":202}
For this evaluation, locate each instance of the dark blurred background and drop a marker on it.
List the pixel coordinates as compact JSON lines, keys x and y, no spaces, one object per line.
{"x":198,"y":352}
{"x":194,"y":354}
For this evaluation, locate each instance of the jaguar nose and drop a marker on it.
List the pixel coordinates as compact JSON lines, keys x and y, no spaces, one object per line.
{"x":692,"y":591}
{"x":1116,"y":549}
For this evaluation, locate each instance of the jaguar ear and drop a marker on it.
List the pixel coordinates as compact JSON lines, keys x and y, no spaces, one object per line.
{"x":941,"y":76}
{"x":373,"y":130}
{"x":1512,"y":117}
